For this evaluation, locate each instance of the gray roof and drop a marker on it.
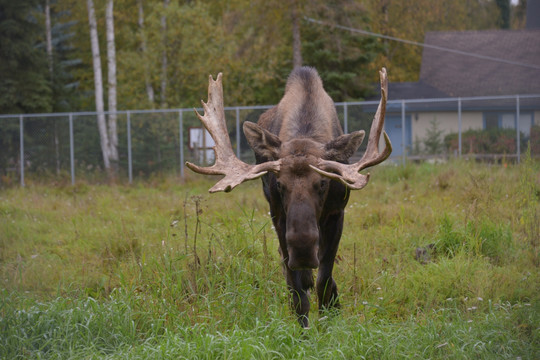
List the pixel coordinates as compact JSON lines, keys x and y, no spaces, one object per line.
{"x":446,"y":74}
{"x":461,"y":75}
{"x":533,"y":14}
{"x":412,"y":90}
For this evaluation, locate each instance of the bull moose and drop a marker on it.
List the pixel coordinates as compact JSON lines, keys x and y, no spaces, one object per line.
{"x":302,"y":156}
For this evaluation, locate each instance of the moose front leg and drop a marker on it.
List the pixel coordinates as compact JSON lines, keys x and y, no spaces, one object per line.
{"x":299,"y":283}
{"x":326,"y":286}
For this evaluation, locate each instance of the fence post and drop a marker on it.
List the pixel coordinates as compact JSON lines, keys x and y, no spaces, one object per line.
{"x":459,"y":127}
{"x":21,"y":139}
{"x":130,"y":166}
{"x":71,"y":149}
{"x":345,"y":119}
{"x":181,"y":142}
{"x":238,"y":132}
{"x":518,"y":145}
{"x":403,"y":130}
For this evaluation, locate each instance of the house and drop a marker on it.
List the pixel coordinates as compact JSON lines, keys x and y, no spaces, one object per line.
{"x":491,"y":63}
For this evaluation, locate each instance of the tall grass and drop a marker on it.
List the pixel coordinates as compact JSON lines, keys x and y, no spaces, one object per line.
{"x":163,"y":270}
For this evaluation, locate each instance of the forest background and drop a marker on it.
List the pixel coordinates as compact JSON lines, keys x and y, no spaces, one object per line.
{"x":166,"y":49}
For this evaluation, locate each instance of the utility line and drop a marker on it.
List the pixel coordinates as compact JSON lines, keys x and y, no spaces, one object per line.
{"x":365,"y":32}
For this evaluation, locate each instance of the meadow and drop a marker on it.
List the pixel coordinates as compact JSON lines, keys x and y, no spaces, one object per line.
{"x":436,"y":261}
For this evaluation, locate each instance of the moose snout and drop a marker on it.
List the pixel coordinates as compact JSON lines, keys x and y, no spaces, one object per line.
{"x":302,"y":236}
{"x":303,"y":260}
{"x":303,"y":250}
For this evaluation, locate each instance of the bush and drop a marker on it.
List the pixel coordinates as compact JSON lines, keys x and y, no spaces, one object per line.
{"x":535,"y":140}
{"x":493,"y":141}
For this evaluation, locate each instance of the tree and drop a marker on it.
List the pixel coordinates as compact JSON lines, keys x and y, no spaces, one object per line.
{"x":48,"y":35}
{"x":148,"y":84}
{"x":108,"y":148}
{"x":64,"y":62}
{"x":24,"y":75}
{"x":111,"y":75}
{"x":504,"y":17}
{"x":341,"y":58}
{"x":164,"y":59}
{"x":433,"y":143}
{"x":254,"y":42}
{"x":519,"y":15}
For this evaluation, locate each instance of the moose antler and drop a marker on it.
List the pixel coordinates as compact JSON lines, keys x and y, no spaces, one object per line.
{"x":235,"y":170}
{"x":349,"y":174}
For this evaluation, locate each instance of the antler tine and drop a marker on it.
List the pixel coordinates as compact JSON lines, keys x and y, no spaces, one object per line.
{"x":235,"y":170}
{"x":371,"y":156}
{"x":214,"y":121}
{"x":349,"y":174}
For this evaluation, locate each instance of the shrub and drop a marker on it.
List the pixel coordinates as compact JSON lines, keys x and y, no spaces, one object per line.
{"x":535,"y":140}
{"x":493,"y":141}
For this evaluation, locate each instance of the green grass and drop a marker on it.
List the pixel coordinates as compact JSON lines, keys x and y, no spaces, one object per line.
{"x":161,"y":269}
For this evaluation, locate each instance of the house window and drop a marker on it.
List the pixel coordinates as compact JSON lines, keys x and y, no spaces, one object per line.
{"x":508,"y":121}
{"x":491,"y":121}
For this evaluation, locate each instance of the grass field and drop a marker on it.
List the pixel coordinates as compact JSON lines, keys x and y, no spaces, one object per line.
{"x":436,"y":261}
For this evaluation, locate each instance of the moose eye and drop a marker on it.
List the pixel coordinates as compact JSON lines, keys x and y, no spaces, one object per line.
{"x":323,"y":185}
{"x":279,"y":186}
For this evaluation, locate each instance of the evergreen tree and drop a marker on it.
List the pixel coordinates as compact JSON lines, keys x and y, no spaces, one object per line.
{"x":504,"y":17}
{"x":340,"y":57}
{"x":64,"y":62}
{"x":433,"y":143}
{"x":24,"y":76}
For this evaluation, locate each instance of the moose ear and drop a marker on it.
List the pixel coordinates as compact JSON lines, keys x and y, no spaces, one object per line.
{"x":264,"y":143}
{"x":344,"y":146}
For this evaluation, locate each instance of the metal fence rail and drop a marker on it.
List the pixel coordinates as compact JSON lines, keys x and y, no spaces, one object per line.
{"x":67,"y":145}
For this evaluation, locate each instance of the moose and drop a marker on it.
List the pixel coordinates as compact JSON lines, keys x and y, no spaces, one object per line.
{"x":302,"y":156}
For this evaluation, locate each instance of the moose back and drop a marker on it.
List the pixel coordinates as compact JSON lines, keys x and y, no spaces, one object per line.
{"x":302,"y":156}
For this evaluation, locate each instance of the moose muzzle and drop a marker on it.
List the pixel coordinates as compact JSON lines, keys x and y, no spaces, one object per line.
{"x":302,"y":237}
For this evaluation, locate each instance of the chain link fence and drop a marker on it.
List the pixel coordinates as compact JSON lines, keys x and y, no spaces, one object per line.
{"x":66,"y":146}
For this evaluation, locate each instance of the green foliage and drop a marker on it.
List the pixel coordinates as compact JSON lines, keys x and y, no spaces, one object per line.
{"x":433,"y":142}
{"x":491,"y":141}
{"x":65,"y":61}
{"x":340,"y":57}
{"x":450,"y":241}
{"x":114,"y":329}
{"x":528,"y":200}
{"x":480,"y":238}
{"x":504,"y":17}
{"x":24,"y":79}
{"x":9,"y":143}
{"x":249,"y":41}
{"x":535,"y":140}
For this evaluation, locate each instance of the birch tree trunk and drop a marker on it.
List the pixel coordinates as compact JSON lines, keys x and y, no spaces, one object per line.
{"x":148,"y":84}
{"x":164,"y":56}
{"x":48,"y":36}
{"x":98,"y":85}
{"x":111,"y":75}
{"x":48,"y":45}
